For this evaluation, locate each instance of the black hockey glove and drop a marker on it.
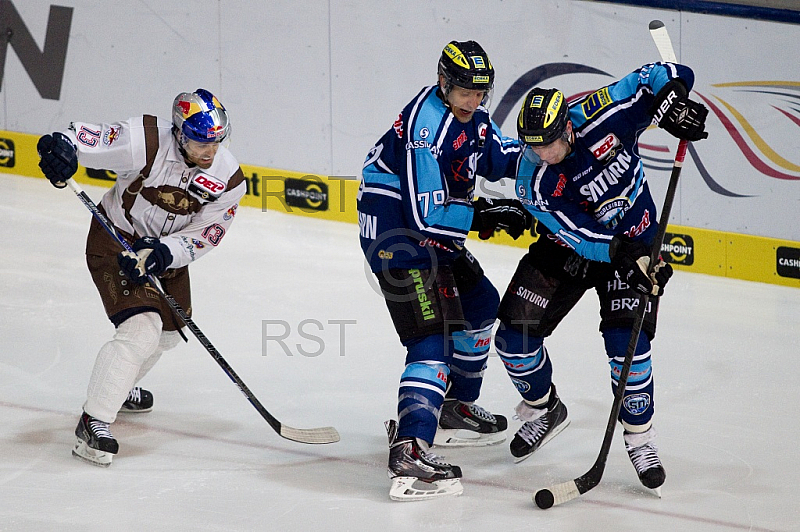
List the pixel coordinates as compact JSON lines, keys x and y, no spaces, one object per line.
{"x":149,"y":257}
{"x":631,"y":260}
{"x":492,"y":215}
{"x":679,"y":116}
{"x":59,"y":158}
{"x":660,"y":276}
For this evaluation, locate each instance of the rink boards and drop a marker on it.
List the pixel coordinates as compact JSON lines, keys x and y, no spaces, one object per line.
{"x":738,"y":256}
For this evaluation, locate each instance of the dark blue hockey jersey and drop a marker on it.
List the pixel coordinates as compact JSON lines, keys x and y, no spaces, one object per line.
{"x":415,"y":197}
{"x":600,"y":189}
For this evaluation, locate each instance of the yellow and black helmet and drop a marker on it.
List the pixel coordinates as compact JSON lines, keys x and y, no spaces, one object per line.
{"x":542,"y":117}
{"x":465,"y":64}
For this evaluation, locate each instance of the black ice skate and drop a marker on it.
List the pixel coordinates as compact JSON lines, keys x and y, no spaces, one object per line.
{"x":644,"y":456}
{"x":541,"y":425}
{"x":417,"y":474}
{"x":139,"y":401}
{"x":95,"y":444}
{"x":467,"y":424}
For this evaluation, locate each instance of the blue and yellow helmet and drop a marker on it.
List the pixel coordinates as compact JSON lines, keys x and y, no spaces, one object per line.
{"x":199,"y":116}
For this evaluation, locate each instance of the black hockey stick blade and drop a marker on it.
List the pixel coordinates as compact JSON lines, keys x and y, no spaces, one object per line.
{"x":313,"y":436}
{"x":566,"y":491}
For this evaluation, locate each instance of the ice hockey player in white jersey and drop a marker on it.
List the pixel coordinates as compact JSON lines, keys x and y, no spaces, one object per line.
{"x":175,"y":197}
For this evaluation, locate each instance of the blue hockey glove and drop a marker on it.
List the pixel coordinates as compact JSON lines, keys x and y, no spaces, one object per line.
{"x":679,"y":116}
{"x":631,"y":259}
{"x":59,"y":158}
{"x":149,"y":257}
{"x":493,"y":215}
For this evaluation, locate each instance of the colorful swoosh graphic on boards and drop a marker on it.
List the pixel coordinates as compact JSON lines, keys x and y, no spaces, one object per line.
{"x":756,"y":150}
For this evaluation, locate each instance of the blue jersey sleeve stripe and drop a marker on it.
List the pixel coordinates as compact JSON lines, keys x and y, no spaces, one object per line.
{"x":413,"y":166}
{"x":379,"y":178}
{"x":426,"y":184}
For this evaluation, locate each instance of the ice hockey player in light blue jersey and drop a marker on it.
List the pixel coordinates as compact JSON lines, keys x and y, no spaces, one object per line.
{"x":416,"y":205}
{"x":606,"y":175}
{"x":582,"y":178}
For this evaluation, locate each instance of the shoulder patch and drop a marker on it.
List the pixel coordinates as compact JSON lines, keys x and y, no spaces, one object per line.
{"x":596,"y":102}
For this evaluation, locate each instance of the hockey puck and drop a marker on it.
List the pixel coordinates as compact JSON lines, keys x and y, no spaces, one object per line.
{"x":544,"y":499}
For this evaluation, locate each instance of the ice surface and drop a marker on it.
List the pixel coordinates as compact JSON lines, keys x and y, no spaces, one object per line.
{"x":725,"y":364}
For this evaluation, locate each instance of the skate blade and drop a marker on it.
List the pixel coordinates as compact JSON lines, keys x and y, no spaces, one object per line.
{"x":466,"y":438}
{"x":407,"y":489}
{"x":91,"y":456}
{"x":135,"y":410}
{"x":549,"y":437}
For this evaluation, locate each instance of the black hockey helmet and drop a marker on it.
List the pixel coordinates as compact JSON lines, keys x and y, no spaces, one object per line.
{"x":466,"y":64}
{"x":543,"y":117}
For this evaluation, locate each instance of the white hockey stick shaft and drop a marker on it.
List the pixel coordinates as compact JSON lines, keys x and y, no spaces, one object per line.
{"x":660,"y":36}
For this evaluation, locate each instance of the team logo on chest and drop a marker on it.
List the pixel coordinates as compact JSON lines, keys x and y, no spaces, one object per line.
{"x":172,"y":199}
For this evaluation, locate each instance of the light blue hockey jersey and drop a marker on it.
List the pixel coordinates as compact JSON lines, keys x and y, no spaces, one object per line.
{"x":600,"y":189}
{"x":414,"y":201}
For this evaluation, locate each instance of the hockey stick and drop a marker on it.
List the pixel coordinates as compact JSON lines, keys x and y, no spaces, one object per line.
{"x":663,"y":43}
{"x":317,"y":435}
{"x":566,"y":491}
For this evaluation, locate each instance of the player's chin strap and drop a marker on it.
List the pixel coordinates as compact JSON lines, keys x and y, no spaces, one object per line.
{"x":316,"y":435}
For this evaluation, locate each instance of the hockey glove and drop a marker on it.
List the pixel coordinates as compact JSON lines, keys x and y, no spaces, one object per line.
{"x":492,"y":215}
{"x":631,"y":260}
{"x":149,"y":257}
{"x":679,"y":116}
{"x":660,"y":276}
{"x":59,"y":158}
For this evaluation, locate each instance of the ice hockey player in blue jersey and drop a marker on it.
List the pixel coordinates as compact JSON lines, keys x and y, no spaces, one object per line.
{"x":416,"y":205}
{"x":581,"y":176}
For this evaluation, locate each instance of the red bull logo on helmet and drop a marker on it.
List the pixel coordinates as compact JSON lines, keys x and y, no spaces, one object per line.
{"x":188,"y":108}
{"x":215,"y":132}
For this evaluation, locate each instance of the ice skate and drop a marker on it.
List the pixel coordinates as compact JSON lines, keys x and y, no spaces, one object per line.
{"x":139,"y":401}
{"x":644,"y":456}
{"x":541,"y":425}
{"x":417,"y":474}
{"x":468,"y":425}
{"x":95,"y":444}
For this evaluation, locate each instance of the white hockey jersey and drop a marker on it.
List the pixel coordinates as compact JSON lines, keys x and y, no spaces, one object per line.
{"x":156,"y":193}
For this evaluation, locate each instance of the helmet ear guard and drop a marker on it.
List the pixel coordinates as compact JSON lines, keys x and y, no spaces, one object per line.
{"x":543,"y":117}
{"x":200,"y":117}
